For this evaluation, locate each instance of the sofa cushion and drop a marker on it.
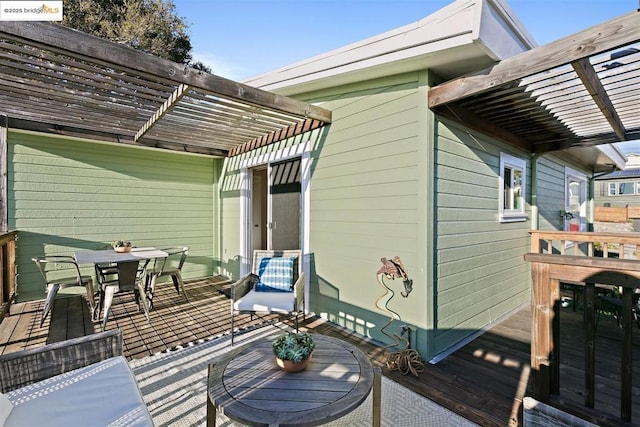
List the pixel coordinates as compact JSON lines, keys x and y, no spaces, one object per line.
{"x":105,"y":393}
{"x":5,"y":408}
{"x":275,"y":274}
{"x":272,"y":302}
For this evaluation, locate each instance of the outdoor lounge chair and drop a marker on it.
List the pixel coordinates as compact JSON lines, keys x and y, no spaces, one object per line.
{"x":275,"y":285}
{"x":51,"y":267}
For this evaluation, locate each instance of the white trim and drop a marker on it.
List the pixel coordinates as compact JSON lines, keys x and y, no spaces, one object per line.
{"x":245,"y":207}
{"x":512,"y":215}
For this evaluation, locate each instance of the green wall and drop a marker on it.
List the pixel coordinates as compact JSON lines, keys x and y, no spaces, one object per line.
{"x":481,"y":274}
{"x":390,"y":179}
{"x":67,"y":195}
{"x":551,"y":189}
{"x":367,"y":201}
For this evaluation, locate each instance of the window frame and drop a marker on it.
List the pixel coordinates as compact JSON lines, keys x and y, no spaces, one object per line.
{"x":512,"y":214}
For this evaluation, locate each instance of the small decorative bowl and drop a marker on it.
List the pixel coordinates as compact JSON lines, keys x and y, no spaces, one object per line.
{"x":122,"y":249}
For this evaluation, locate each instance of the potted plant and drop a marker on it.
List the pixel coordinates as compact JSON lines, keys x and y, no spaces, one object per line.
{"x":121,"y":245}
{"x":293,"y":350}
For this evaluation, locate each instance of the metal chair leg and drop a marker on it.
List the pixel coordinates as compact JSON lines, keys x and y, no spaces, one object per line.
{"x":108,"y":300}
{"x":179,"y":284}
{"x":51,"y":295}
{"x":143,"y":300}
{"x":232,"y":331}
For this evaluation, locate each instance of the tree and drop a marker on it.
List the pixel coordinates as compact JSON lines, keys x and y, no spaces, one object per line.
{"x":148,"y":25}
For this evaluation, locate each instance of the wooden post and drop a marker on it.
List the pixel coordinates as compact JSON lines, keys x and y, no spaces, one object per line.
{"x":4,"y":194}
{"x":541,"y":343}
{"x":589,"y":343}
{"x":554,"y":357}
{"x":626,"y":360}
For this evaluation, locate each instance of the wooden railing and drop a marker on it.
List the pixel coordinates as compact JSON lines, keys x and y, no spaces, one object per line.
{"x":7,"y":271}
{"x":570,"y":257}
{"x":604,"y":245}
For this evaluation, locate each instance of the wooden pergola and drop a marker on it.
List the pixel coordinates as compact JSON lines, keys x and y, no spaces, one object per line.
{"x":58,"y":80}
{"x":581,"y":90}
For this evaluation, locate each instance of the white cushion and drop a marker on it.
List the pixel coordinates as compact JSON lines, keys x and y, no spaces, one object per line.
{"x":5,"y":408}
{"x":275,"y":302}
{"x":105,"y":393}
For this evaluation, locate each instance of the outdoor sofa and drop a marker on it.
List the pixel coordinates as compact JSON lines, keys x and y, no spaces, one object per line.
{"x":82,"y":381}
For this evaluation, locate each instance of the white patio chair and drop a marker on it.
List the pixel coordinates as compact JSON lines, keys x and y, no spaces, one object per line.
{"x":169,"y":266}
{"x":50,"y":267}
{"x":130,"y":278}
{"x":275,"y":285}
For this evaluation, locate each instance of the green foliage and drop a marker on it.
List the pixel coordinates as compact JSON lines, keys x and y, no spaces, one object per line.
{"x":148,"y":25}
{"x":294,"y":347}
{"x":120,"y":243}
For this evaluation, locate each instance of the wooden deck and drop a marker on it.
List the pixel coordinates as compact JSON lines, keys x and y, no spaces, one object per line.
{"x":484,"y":381}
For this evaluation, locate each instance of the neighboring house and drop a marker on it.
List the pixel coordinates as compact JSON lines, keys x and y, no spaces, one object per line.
{"x":620,"y":188}
{"x":392,"y":178}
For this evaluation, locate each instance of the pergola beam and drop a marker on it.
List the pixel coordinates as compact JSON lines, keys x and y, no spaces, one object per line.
{"x":176,"y":96}
{"x":590,"y":80}
{"x":598,"y":39}
{"x":74,"y":132}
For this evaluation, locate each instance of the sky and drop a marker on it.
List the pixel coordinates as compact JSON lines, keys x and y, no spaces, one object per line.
{"x":243,"y":38}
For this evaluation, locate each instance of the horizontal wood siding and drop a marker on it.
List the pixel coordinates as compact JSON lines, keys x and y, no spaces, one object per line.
{"x":551,"y":192}
{"x":364,"y":206}
{"x":480,"y":271}
{"x":230,"y":225}
{"x":67,"y":195}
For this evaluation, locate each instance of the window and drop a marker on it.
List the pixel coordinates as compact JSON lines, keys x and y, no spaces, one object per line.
{"x":513,"y":178}
{"x":624,"y":188}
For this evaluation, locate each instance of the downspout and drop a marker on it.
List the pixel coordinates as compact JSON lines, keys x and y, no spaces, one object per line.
{"x":592,"y":195}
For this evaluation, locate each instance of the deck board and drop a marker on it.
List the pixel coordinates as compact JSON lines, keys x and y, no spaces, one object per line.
{"x":484,"y":381}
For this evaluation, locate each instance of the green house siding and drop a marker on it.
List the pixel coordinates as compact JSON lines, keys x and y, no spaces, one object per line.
{"x":67,"y":195}
{"x":365,"y":205}
{"x":480,"y":275}
{"x":551,"y":192}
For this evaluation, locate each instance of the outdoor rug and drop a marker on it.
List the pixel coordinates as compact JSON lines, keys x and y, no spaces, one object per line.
{"x":174,"y":386}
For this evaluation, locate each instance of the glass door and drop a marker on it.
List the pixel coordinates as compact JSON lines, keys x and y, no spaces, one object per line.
{"x":276,"y":205}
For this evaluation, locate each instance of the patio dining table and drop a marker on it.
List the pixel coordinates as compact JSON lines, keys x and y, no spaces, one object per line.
{"x":108,"y":256}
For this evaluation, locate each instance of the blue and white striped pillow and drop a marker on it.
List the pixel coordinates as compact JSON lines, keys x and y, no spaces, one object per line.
{"x":276,"y":274}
